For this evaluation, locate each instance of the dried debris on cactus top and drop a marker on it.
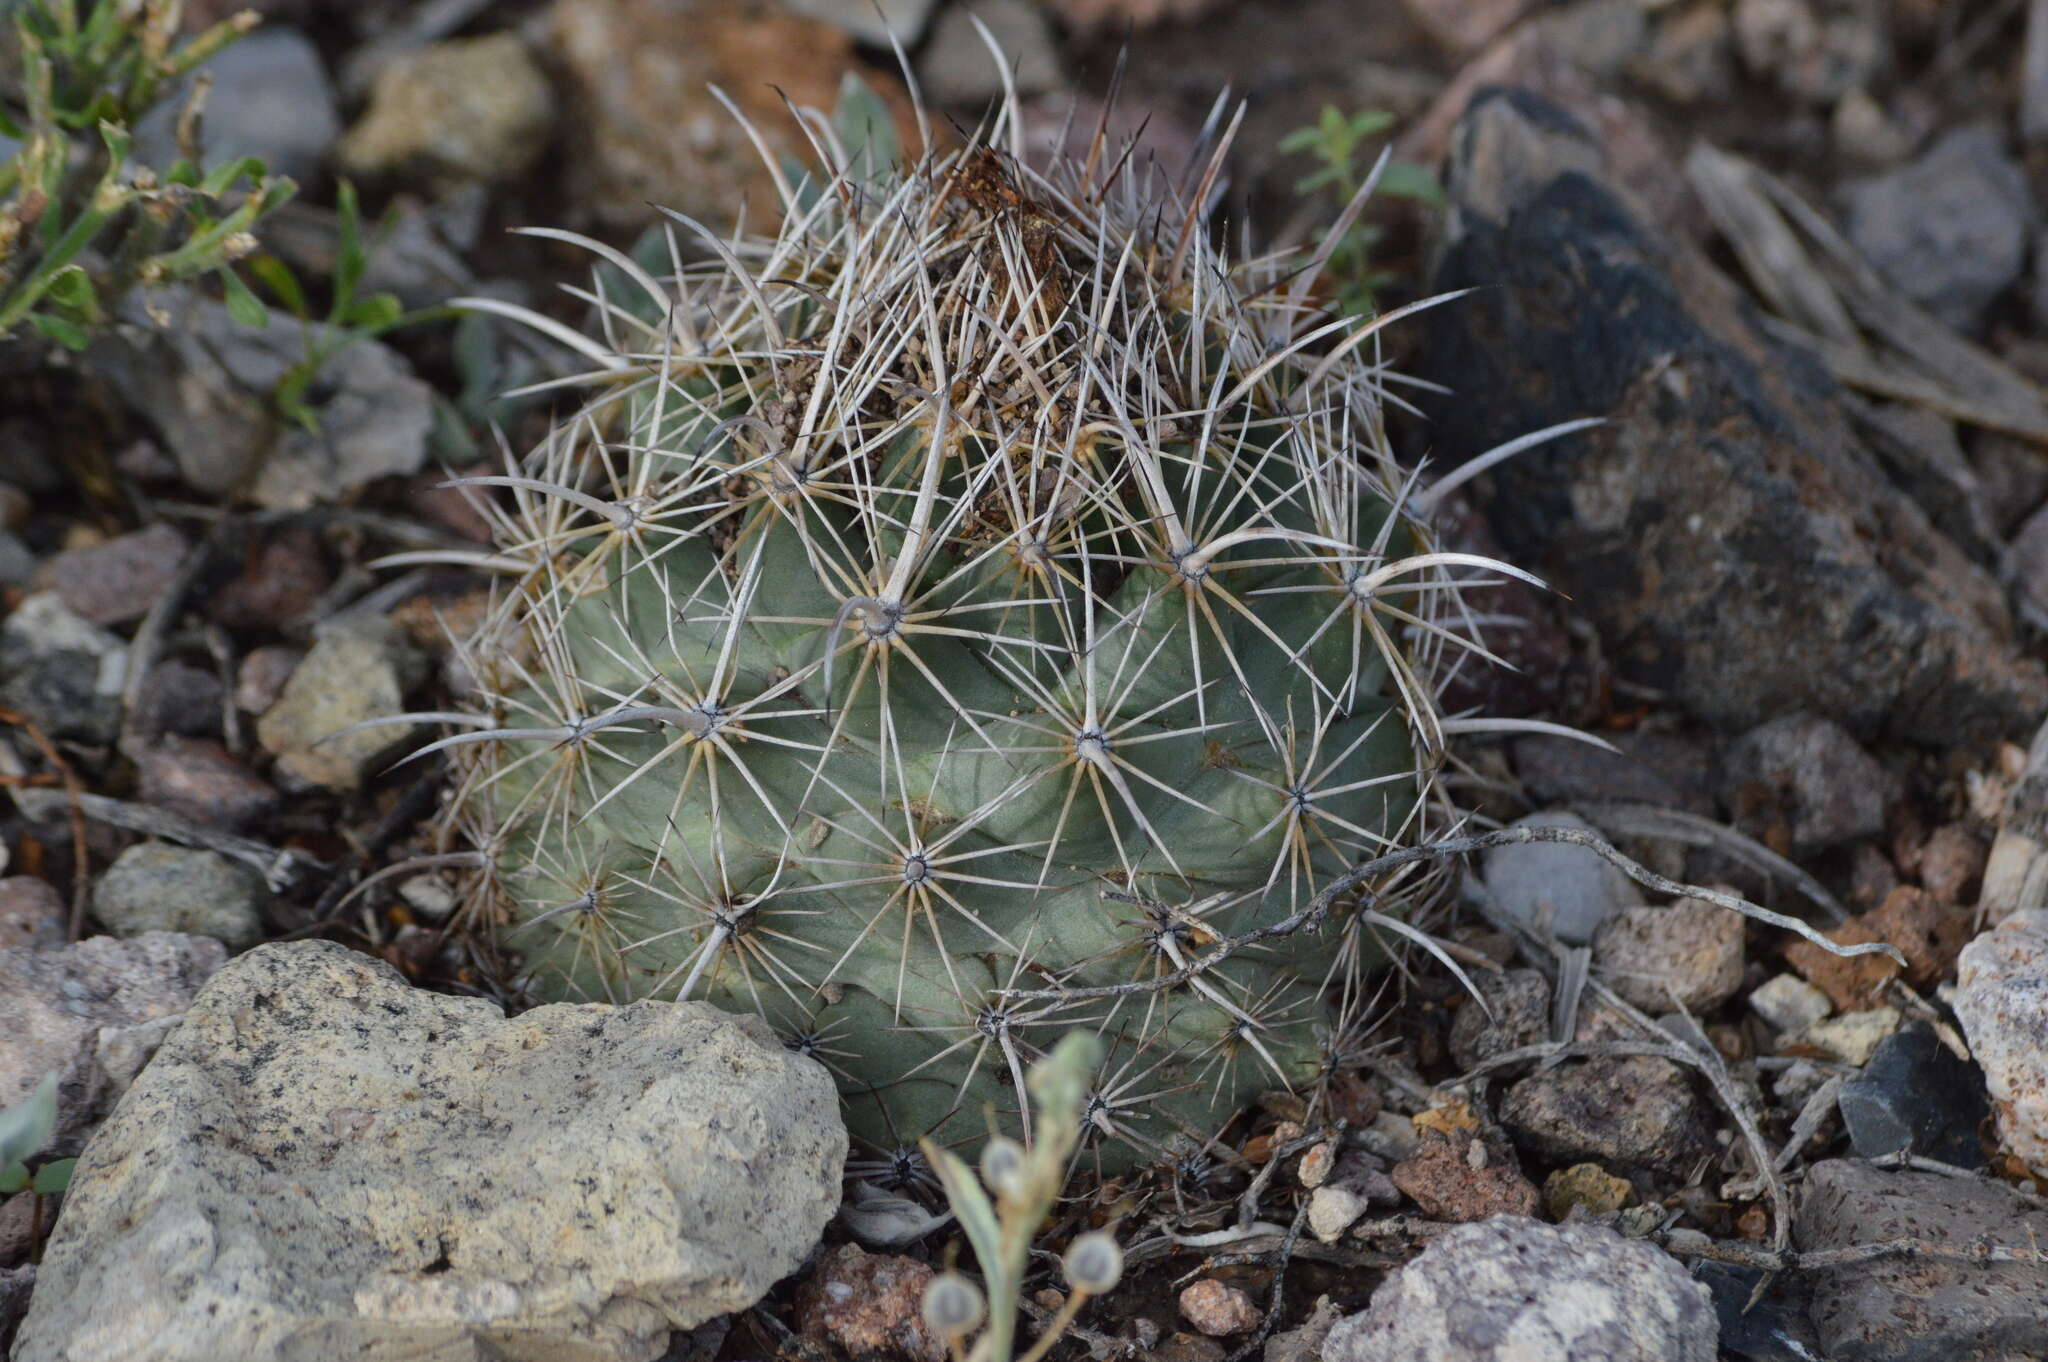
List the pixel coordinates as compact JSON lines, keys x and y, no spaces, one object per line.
{"x":983,"y":586}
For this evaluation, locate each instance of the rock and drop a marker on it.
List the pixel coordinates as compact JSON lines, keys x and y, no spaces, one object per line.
{"x":1814,"y":50}
{"x":1637,"y":1112}
{"x":353,"y":674}
{"x":2010,"y":475}
{"x":1950,"y":229}
{"x":1927,"y":932}
{"x":1771,"y":1325}
{"x":1725,"y":506}
{"x":873,"y":22}
{"x":1918,"y":1309}
{"x":470,"y":110}
{"x":1553,"y":887}
{"x":956,"y":66}
{"x":1649,"y":768}
{"x":156,"y":887}
{"x":179,"y":698}
{"x":1462,"y":1176}
{"x":1952,"y":864}
{"x":199,"y":780}
{"x":374,"y":1171}
{"x":283,"y":577}
{"x":1788,"y":1003}
{"x":643,"y":127}
{"x":15,"y":1285}
{"x":64,"y":672}
{"x":18,"y":562}
{"x":1333,"y":1210}
{"x":1516,"y":1013}
{"x":2026,"y":566}
{"x":1802,"y":785}
{"x":1185,"y":1347}
{"x":1304,"y":1344}
{"x":863,"y":1304}
{"x":2002,"y":1001}
{"x":1915,"y":1097}
{"x":271,"y":99}
{"x":1690,"y":951}
{"x":117,"y":582}
{"x":1462,"y":27}
{"x":1863,"y":133}
{"x":1511,"y":1288}
{"x":1218,"y":1309}
{"x":32,"y":917}
{"x":18,"y":1236}
{"x":260,"y":678}
{"x":1853,"y":1037}
{"x":55,"y":1003}
{"x":1588,"y":1185}
{"x":203,"y":381}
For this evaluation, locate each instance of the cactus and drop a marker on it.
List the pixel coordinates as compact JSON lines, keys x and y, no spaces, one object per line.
{"x":983,"y":590}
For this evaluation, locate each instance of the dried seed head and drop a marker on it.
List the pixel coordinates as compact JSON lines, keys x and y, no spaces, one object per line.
{"x":1002,"y":1167}
{"x":952,"y":1305}
{"x":1094,"y":1263}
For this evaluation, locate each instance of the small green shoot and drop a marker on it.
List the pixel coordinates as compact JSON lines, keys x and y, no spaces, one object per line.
{"x":1026,"y":1183}
{"x":1337,"y":141}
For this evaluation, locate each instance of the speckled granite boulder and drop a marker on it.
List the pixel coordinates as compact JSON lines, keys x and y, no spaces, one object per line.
{"x":324,"y":1162}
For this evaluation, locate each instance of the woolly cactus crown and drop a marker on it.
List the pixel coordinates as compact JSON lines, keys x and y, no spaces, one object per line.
{"x":950,"y":619}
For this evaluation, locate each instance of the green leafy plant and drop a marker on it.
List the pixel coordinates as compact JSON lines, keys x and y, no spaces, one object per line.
{"x":25,"y":1128}
{"x":79,"y":225}
{"x":1337,"y":142}
{"x":1025,"y":1182}
{"x":978,"y":613}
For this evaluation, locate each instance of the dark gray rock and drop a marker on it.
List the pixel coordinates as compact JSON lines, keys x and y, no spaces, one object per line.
{"x":62,"y":693}
{"x":1724,"y":531}
{"x":1914,"y":1096}
{"x":1774,"y":1328}
{"x":1807,"y":773}
{"x":177,"y":697}
{"x":1669,"y":771}
{"x":1950,"y":229}
{"x":271,"y":98}
{"x":1511,"y":1288}
{"x":1638,"y":1112}
{"x":204,"y":782}
{"x":1917,"y":1309}
{"x":1516,"y":1013}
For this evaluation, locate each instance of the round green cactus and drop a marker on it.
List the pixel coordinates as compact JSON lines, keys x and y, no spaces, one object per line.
{"x":981,"y":590}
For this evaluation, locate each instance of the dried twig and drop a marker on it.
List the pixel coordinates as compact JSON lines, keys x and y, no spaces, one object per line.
{"x":280,"y":867}
{"x":74,"y":798}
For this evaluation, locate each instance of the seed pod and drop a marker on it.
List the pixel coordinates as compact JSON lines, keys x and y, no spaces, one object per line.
{"x":1094,"y":1263}
{"x":1003,"y":1166}
{"x":952,"y":1305}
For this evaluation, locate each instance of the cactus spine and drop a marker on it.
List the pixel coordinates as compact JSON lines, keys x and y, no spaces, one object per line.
{"x":982,"y":589}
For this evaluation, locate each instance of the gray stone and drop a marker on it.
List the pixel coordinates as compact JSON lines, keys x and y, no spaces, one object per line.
{"x":870,"y":21}
{"x":1915,"y":1096}
{"x":1689,"y":951}
{"x":1516,"y":1013}
{"x":271,"y":98}
{"x":1638,"y":1112}
{"x":1724,"y":532}
{"x":55,"y":1004}
{"x":18,"y":562}
{"x":204,"y":782}
{"x":157,"y":887}
{"x":1949,"y":229}
{"x":1511,"y":1288}
{"x":1788,"y":1003}
{"x":64,"y":671}
{"x":1814,"y":50}
{"x":1809,"y":775}
{"x":1918,"y":1309}
{"x":956,"y":66}
{"x":471,"y":110}
{"x":324,"y":1162}
{"x":32,"y":917}
{"x":16,"y":1284}
{"x":2002,"y":1001}
{"x":204,"y":383}
{"x":177,"y":697}
{"x":353,"y":674}
{"x":1553,"y":886}
{"x":1649,"y":768}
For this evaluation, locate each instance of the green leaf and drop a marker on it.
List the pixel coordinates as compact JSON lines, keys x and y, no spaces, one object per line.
{"x":72,"y":289}
{"x":1407,"y":180}
{"x":865,"y":126}
{"x":243,"y":305}
{"x":182,"y":172}
{"x":27,"y":1126}
{"x":54,"y":1177}
{"x":378,"y":312}
{"x":1369,"y":121}
{"x":13,"y":1177}
{"x":223,"y":177}
{"x":277,"y":276}
{"x":350,"y":260}
{"x":971,"y":1207}
{"x":1301,"y":139}
{"x":67,"y":334}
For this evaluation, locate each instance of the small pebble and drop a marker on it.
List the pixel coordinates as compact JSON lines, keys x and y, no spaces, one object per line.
{"x":865,"y":1303}
{"x":1788,"y":1003}
{"x":202,"y":781}
{"x":261,"y":677}
{"x":1915,"y":1096}
{"x":1333,"y":1210}
{"x":1928,"y":932}
{"x":1588,"y":1185}
{"x":1217,"y":1308}
{"x":2002,"y":1003}
{"x":1638,"y":1112}
{"x":156,"y":887}
{"x":1952,"y":864}
{"x":1690,"y":952}
{"x":118,"y":581}
{"x":1442,"y":1179}
{"x":1854,"y":1036}
{"x":32,"y":916}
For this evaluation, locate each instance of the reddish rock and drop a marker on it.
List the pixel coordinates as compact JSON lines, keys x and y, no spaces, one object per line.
{"x":32,"y":916}
{"x":865,"y":1303}
{"x":1952,"y":863}
{"x":261,"y":677}
{"x":1450,"y":1181}
{"x":1218,"y":1309}
{"x":1926,"y":931}
{"x":204,"y":782}
{"x":281,"y":579}
{"x":117,"y":582}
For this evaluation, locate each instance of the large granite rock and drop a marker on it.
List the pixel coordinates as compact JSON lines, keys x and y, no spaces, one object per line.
{"x":323,"y":1162}
{"x":1729,"y":537}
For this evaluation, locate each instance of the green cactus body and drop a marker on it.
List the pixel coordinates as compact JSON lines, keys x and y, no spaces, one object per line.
{"x":981,"y":588}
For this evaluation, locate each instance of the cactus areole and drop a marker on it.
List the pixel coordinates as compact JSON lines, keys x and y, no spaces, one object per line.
{"x":979,"y":595}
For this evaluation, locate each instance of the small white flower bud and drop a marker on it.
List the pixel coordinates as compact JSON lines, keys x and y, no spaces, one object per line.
{"x":1094,"y":1263}
{"x":952,"y":1305}
{"x":1002,"y":1166}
